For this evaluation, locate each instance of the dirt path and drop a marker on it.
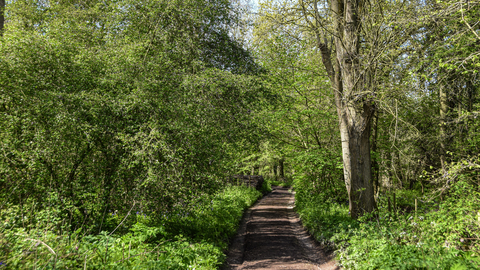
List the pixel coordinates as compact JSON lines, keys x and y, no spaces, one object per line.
{"x":272,"y":237}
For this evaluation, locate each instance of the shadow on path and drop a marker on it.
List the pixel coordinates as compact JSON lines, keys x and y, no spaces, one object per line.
{"x":271,"y":237}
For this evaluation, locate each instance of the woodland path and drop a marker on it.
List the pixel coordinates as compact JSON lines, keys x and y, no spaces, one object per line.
{"x":271,"y":237}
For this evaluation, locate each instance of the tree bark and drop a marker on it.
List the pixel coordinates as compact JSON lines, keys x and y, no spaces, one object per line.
{"x":355,"y":110}
{"x":355,"y":135}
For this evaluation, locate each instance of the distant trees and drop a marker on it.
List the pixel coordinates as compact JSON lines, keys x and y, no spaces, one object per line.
{"x":301,"y":124}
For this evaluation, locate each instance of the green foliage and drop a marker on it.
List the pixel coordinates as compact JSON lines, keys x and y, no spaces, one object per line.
{"x":118,"y":116}
{"x":132,"y":108}
{"x":281,"y":183}
{"x":320,"y":171}
{"x":325,"y":219}
{"x":190,"y":236}
{"x":442,"y":234}
{"x":267,"y":186}
{"x":302,"y":123}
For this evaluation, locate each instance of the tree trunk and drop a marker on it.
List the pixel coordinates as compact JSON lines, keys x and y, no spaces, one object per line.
{"x":357,"y":167}
{"x":274,"y":170}
{"x":355,"y":110}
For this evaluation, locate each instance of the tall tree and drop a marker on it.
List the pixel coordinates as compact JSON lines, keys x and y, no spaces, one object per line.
{"x":357,"y":41}
{"x":355,"y":110}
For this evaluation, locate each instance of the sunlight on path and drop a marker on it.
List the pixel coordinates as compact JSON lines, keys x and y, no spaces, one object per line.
{"x":273,"y":238}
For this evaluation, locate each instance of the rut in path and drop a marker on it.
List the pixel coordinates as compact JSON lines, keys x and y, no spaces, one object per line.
{"x":272,"y":237}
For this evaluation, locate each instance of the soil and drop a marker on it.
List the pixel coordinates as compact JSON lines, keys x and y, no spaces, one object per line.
{"x":271,"y":236}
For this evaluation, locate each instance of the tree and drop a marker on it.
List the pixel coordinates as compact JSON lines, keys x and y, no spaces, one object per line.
{"x":358,"y":42}
{"x":354,"y":108}
{"x":443,"y":60}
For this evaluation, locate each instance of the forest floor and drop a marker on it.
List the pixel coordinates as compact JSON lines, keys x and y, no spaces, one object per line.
{"x":271,"y":237}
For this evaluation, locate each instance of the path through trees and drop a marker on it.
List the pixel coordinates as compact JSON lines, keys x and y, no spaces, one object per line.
{"x":271,"y":237}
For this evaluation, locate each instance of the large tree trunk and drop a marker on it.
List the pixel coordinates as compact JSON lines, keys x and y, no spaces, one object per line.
{"x":357,"y":167}
{"x":355,"y":109}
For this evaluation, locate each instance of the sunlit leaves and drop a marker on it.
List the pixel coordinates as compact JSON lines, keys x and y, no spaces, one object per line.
{"x":125,"y":100}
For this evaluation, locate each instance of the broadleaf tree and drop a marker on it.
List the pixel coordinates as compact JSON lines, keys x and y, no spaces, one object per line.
{"x":356,"y":40}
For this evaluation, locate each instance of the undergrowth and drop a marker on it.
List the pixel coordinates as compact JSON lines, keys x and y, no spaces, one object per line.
{"x":192,"y":236}
{"x":443,"y":233}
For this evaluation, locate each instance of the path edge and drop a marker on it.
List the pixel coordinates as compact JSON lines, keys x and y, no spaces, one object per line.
{"x":236,"y":249}
{"x":323,"y":259}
